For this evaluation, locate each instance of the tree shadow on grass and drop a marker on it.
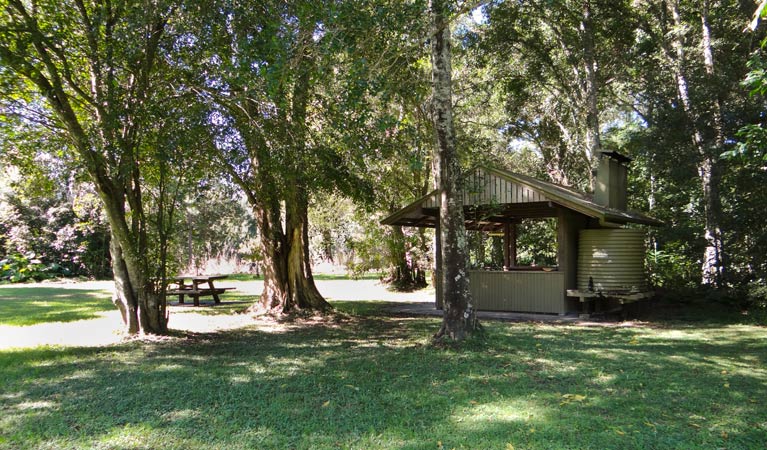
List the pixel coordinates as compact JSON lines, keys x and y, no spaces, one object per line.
{"x":700,"y":313}
{"x":374,"y":382}
{"x":33,"y":305}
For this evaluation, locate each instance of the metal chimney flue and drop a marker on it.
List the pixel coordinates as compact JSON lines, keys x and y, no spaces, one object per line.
{"x":610,"y":189}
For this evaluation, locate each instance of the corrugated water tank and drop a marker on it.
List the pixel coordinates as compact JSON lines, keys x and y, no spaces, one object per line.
{"x":611,"y":260}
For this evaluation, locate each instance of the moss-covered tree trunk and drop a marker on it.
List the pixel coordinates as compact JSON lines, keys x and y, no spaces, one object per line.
{"x":459,"y":318}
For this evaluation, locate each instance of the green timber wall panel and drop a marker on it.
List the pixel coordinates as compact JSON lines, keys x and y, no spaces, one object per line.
{"x":533,"y":292}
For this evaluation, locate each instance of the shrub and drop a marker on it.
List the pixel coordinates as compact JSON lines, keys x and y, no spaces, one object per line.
{"x":17,"y":268}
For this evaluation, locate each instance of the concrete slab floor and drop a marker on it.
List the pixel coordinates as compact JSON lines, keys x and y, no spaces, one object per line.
{"x":428,"y":309}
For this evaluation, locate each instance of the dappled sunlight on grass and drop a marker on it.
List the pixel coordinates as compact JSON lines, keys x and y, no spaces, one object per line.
{"x":372,"y":381}
{"x":25,"y":406}
{"x":502,"y":411}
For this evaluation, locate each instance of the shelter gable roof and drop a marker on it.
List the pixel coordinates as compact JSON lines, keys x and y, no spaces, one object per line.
{"x":490,"y":186}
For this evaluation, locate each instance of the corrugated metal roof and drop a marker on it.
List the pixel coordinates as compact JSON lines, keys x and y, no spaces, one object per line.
{"x":494,"y":196}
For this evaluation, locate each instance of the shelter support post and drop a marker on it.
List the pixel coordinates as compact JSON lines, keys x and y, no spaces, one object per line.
{"x":569,"y":224}
{"x":509,"y":245}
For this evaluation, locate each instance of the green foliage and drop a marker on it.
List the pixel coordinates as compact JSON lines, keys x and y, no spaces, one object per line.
{"x":63,"y":226}
{"x":93,"y":76}
{"x":334,"y":228}
{"x":536,"y":54}
{"x":366,"y":133}
{"x":214,"y":231}
{"x":537,"y":242}
{"x":671,"y":268}
{"x":16,"y":268}
{"x":753,"y":145}
{"x":755,"y":301}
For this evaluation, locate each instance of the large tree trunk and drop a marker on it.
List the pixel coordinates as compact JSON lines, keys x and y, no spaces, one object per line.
{"x":274,"y":297}
{"x":459,"y":318}
{"x":288,"y":282}
{"x":140,"y":301}
{"x":404,"y":275}
{"x":303,"y":291}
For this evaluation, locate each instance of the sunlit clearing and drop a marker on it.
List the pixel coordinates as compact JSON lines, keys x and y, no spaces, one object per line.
{"x":504,"y":411}
{"x":181,"y":414}
{"x":27,"y":406}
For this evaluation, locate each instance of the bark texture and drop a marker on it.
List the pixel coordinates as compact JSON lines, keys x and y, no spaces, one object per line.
{"x":459,"y":318}
{"x":288,"y":282}
{"x":705,"y":123}
{"x":404,"y":273}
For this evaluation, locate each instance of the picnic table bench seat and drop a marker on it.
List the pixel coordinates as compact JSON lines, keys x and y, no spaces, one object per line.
{"x":196,"y":291}
{"x":199,"y":291}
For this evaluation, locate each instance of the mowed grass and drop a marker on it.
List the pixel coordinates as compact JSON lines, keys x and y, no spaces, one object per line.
{"x":373,"y":381}
{"x":27,"y":305}
{"x":232,"y":302}
{"x":32,"y":305}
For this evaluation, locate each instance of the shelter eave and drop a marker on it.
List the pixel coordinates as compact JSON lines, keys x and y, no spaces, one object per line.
{"x":624,"y":217}
{"x":410,"y":213}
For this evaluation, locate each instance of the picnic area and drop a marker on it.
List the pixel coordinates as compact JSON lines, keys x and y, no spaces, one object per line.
{"x":370,"y":224}
{"x":198,"y":286}
{"x":369,"y":378}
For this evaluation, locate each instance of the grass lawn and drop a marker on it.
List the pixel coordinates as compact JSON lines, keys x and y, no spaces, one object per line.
{"x":372,"y":381}
{"x":27,"y":305}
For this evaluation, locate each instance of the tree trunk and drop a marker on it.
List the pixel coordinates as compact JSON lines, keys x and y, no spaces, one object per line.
{"x":459,"y":318}
{"x":712,"y":267}
{"x":303,"y":291}
{"x":404,"y":275}
{"x":288,"y":281}
{"x":496,"y":254}
{"x":140,"y":301}
{"x":478,"y":243}
{"x":274,"y":297}
{"x":593,"y":141}
{"x":123,"y":296}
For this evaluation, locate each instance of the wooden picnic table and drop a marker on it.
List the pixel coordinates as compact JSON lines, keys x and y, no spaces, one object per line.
{"x":199,"y":286}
